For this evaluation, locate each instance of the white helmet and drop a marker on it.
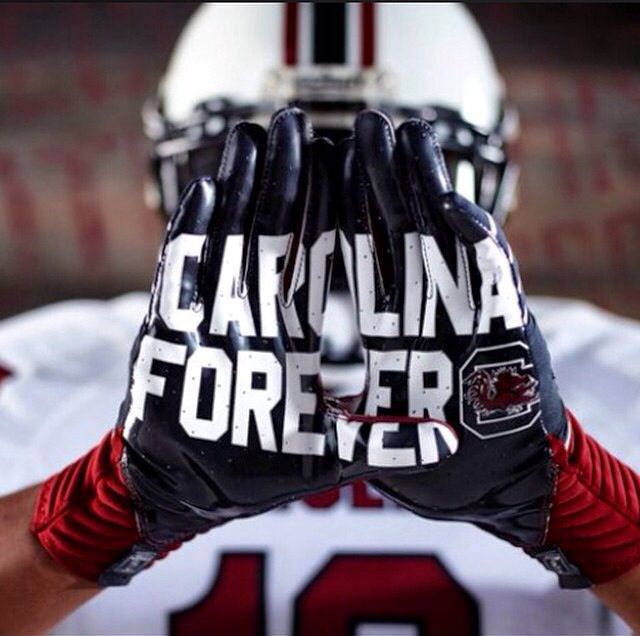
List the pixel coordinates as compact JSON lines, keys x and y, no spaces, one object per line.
{"x":238,"y":61}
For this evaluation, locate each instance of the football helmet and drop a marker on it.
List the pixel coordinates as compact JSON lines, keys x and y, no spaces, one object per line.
{"x":243,"y":61}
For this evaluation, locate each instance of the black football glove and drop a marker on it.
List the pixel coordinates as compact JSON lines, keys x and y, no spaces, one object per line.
{"x":448,"y":335}
{"x":225,"y":415}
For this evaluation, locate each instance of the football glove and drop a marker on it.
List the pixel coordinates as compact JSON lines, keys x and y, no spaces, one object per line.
{"x":448,"y":335}
{"x":224,"y":416}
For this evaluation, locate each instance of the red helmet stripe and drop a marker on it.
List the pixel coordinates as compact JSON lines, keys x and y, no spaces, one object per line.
{"x":367,"y":19}
{"x":291,"y":34}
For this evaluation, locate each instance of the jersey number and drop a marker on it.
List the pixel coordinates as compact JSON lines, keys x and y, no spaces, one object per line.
{"x":349,"y":592}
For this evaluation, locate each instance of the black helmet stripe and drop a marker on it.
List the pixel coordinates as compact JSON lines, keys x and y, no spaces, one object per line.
{"x":329,"y":33}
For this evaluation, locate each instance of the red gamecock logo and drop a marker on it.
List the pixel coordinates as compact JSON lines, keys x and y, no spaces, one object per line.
{"x":498,"y":390}
{"x":505,"y":389}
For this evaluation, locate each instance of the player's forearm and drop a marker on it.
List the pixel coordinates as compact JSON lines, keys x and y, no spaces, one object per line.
{"x":622,"y":596}
{"x":35,"y":593}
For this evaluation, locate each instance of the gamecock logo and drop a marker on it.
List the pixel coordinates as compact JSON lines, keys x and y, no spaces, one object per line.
{"x":499,"y":394}
{"x":504,"y":390}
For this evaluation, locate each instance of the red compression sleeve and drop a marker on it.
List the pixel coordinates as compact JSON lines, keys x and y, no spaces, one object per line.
{"x":595,"y":514}
{"x":84,"y":516}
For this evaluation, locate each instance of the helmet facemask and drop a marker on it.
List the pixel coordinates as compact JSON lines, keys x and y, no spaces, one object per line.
{"x":477,"y":158}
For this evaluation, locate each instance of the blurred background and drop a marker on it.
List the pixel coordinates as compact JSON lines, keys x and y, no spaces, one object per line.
{"x":73,"y":158}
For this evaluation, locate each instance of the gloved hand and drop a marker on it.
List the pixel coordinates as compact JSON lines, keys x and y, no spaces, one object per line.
{"x":448,"y":334}
{"x":224,"y":416}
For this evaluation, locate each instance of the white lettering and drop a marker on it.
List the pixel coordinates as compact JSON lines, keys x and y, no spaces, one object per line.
{"x":178,"y":250}
{"x":429,"y":399}
{"x":379,"y":455}
{"x":146,"y":383}
{"x":413,"y":273}
{"x":298,"y":403}
{"x":321,"y":249}
{"x":273,"y":248}
{"x":347,"y":434}
{"x":259,"y":401}
{"x":230,"y":304}
{"x":455,"y":295}
{"x":378,"y":362}
{"x":496,"y":274}
{"x":215,"y":425}
{"x":372,"y":323}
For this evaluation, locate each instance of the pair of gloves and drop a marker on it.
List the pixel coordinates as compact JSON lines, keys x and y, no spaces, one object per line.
{"x":225,"y":415}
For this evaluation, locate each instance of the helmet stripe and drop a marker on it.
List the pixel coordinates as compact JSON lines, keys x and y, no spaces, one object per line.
{"x":291,"y":33}
{"x":367,"y":19}
{"x":329,"y":33}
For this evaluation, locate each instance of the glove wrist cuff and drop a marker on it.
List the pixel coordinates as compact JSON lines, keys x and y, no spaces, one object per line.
{"x":595,"y":513}
{"x":84,"y":517}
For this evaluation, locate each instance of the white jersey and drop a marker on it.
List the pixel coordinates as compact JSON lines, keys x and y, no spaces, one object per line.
{"x":346,"y":562}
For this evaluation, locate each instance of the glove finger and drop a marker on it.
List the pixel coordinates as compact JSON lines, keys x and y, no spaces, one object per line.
{"x":423,"y":161}
{"x":427,"y":181}
{"x":275,"y":258}
{"x":352,"y":218}
{"x":490,"y":254}
{"x":358,"y":251}
{"x":356,"y":243}
{"x":228,"y":243}
{"x":283,"y":193}
{"x":195,"y":210}
{"x":284,"y":185}
{"x":176,"y":284}
{"x":419,"y":141}
{"x":388,"y":217}
{"x":241,"y":161}
{"x":426,"y":172}
{"x":319,"y":238}
{"x":320,"y":213}
{"x":470,"y":222}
